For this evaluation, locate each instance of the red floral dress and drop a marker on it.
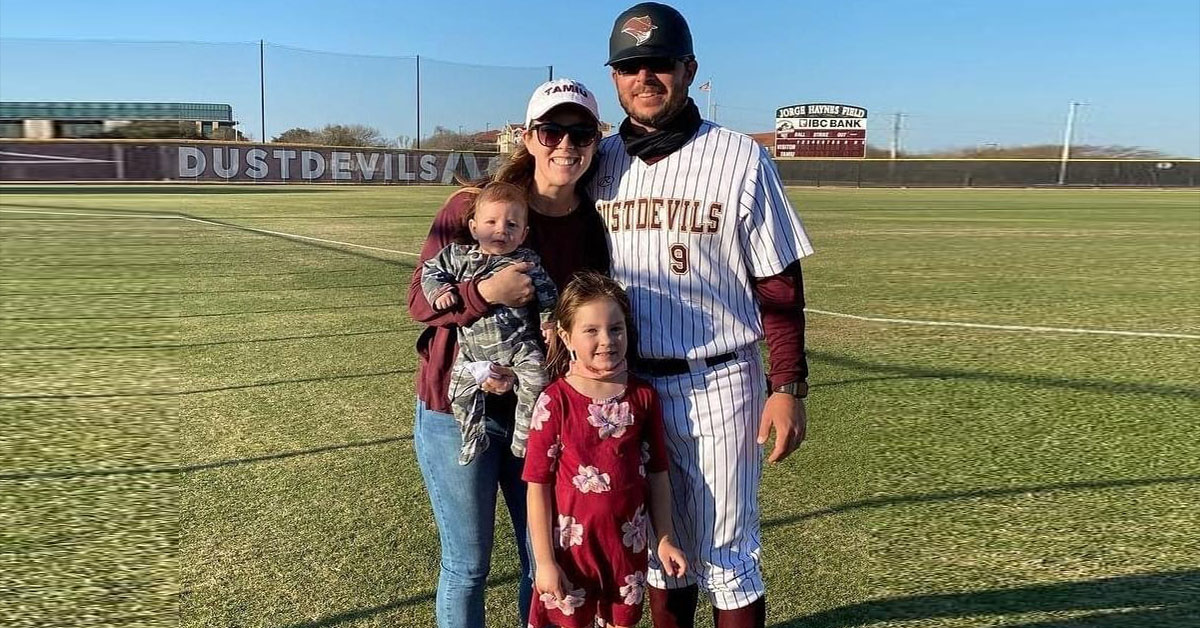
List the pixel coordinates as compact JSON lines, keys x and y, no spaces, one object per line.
{"x":597,"y":454}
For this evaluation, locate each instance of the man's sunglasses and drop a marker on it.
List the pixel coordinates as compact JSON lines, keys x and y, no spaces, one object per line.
{"x":656,"y":65}
{"x":550,"y":134}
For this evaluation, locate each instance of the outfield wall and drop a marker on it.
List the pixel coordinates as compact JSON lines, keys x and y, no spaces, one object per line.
{"x":194,"y":161}
{"x":988,"y":172}
{"x":132,"y":160}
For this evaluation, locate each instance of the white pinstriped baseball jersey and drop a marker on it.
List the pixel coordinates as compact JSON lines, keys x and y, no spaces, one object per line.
{"x":689,"y":232}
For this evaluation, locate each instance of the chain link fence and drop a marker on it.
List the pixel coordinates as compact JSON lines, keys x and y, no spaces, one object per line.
{"x":274,"y":88}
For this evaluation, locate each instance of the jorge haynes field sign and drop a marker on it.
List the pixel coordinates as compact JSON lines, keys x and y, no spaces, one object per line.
{"x":821,"y":130}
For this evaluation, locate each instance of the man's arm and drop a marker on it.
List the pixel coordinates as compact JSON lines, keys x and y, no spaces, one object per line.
{"x":781,"y":301}
{"x":775,"y":240}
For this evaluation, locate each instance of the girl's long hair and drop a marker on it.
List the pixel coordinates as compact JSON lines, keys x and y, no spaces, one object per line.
{"x":585,"y":287}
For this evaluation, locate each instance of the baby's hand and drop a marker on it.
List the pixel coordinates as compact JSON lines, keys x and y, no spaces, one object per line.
{"x":446,"y":301}
{"x":499,"y":381}
{"x":674,"y":563}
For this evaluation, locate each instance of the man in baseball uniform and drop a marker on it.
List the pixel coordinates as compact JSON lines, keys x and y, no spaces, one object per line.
{"x":706,"y":243}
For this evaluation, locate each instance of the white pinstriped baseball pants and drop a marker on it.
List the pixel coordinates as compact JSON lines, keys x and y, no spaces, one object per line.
{"x":711,"y":417}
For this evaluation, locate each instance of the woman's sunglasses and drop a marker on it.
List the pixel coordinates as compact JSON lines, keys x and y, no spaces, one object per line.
{"x":550,"y":134}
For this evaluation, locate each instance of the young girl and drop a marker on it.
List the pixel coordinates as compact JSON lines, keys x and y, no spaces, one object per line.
{"x":597,"y":469}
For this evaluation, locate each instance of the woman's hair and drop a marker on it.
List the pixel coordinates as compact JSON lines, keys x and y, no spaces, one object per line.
{"x":518,"y":170}
{"x":585,"y":287}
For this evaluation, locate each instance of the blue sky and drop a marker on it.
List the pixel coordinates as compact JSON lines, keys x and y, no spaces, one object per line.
{"x":966,"y":73}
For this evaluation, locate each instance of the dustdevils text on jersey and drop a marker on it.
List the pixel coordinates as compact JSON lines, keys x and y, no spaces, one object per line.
{"x":688,"y":234}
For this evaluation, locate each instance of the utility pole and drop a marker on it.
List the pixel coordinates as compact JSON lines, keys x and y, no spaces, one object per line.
{"x":262,"y":91}
{"x":418,"y":140}
{"x":896,"y":119}
{"x":1066,"y":149}
{"x":708,"y":92}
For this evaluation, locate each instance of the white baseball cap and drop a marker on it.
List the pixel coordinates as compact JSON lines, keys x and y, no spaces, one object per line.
{"x":551,"y":94}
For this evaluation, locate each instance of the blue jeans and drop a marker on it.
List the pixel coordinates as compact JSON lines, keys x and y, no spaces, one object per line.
{"x":464,"y":506}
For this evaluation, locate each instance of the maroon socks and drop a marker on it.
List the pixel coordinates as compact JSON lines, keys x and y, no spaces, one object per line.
{"x":673,"y":608}
{"x":753,"y":616}
{"x":676,"y":608}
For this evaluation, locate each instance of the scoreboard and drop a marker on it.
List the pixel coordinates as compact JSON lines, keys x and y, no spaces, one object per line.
{"x":821,"y":130}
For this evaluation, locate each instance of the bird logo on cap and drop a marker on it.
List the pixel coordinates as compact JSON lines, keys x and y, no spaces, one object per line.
{"x":639,"y":28}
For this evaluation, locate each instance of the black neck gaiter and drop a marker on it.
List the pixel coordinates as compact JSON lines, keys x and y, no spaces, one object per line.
{"x":661,"y":142}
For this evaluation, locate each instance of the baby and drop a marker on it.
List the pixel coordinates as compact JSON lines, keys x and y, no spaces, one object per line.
{"x":505,"y":336}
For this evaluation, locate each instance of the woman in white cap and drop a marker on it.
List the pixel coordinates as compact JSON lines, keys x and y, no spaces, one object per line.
{"x":552,"y":165}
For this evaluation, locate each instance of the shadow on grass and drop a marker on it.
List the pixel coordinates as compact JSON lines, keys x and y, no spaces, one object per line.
{"x":892,"y":500}
{"x":904,"y":371}
{"x":861,"y":380}
{"x":214,"y":314}
{"x":309,"y":243}
{"x":1156,"y":599}
{"x":167,"y":264}
{"x":197,"y":391}
{"x":169,"y":293}
{"x":156,"y":277}
{"x":412,"y":600}
{"x":200,"y":466}
{"x":213,"y":343}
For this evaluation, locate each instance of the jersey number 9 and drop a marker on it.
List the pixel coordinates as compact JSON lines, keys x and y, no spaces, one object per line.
{"x":679,"y":259}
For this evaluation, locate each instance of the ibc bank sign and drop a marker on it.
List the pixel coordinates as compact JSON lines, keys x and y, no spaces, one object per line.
{"x":821,"y":130}
{"x":283,"y":163}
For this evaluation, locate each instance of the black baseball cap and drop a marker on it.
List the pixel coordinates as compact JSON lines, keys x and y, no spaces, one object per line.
{"x":649,"y":29}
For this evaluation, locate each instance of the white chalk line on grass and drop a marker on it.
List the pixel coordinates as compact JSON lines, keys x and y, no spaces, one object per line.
{"x":1060,"y":330}
{"x":93,"y":215}
{"x":300,"y":237}
{"x":216,"y":224}
{"x":873,"y":319}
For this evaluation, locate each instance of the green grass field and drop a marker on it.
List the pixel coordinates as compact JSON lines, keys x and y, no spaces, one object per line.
{"x":211,"y":426}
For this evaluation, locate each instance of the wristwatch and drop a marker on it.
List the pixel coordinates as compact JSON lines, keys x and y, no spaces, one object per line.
{"x":798,"y":390}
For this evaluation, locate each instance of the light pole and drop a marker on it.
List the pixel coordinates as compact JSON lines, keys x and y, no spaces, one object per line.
{"x":896,"y":119}
{"x":1066,"y":147}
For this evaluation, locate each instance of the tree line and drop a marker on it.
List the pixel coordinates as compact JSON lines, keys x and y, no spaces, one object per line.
{"x":361,"y":135}
{"x":169,"y":130}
